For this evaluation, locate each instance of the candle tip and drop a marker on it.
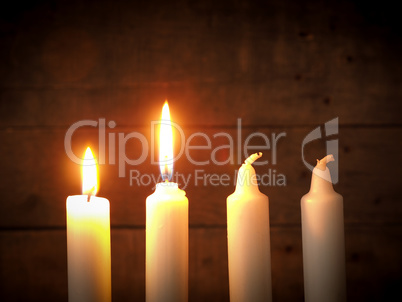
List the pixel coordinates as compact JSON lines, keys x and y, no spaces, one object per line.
{"x":322,"y":164}
{"x":252,"y":158}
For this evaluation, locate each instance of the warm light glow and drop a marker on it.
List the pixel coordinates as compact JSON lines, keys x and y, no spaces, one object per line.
{"x":89,"y":174}
{"x":166,"y":144}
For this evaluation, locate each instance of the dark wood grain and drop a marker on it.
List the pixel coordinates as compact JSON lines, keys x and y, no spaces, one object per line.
{"x":269,"y":64}
{"x":36,"y":262}
{"x":220,"y":103}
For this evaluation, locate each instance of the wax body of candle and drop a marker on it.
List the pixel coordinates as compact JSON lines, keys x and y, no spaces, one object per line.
{"x":323,"y":239}
{"x":88,"y":249}
{"x":249,"y":252}
{"x":167,"y":244}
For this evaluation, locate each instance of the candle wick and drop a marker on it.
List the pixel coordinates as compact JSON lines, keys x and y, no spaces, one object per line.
{"x":252,"y":158}
{"x":165,"y":173}
{"x":322,"y":164}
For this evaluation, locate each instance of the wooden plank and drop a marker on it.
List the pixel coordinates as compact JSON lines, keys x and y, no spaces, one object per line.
{"x":121,"y":61}
{"x":37,"y":176}
{"x":221,"y":104}
{"x":128,"y":264}
{"x":208,"y":265}
{"x":33,"y":264}
{"x":379,"y":279}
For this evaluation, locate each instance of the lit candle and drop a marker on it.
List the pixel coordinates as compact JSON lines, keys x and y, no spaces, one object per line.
{"x":88,"y":240}
{"x":166,"y":229}
{"x":323,"y":238}
{"x":248,"y":239}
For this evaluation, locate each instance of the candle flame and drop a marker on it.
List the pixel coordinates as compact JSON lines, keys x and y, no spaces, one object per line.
{"x":89,"y":174}
{"x":166,"y":144}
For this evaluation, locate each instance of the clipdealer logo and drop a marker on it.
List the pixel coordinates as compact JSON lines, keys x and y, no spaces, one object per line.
{"x":235,"y":146}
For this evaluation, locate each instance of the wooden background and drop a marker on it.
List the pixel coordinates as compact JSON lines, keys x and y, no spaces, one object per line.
{"x":279,"y":66}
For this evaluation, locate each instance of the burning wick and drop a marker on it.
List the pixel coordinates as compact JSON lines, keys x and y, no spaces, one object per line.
{"x":90,"y":193}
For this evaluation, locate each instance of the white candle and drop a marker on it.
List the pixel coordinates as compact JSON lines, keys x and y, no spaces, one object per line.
{"x":88,"y":240}
{"x":166,"y":230}
{"x":323,"y":238}
{"x":248,"y":239}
